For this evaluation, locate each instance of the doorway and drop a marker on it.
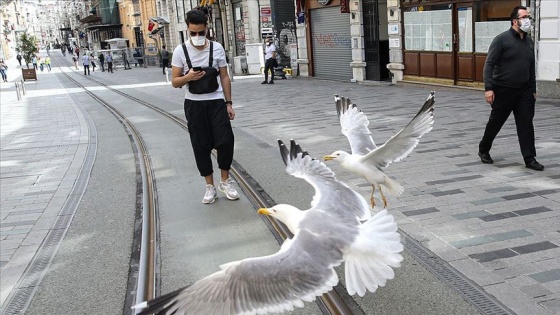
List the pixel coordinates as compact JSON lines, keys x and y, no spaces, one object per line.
{"x":463,"y":52}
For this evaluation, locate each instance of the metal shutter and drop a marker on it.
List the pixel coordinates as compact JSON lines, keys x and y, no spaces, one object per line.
{"x":332,"y":50}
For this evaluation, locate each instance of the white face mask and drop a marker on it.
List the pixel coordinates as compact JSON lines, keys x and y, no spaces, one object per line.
{"x":198,"y":40}
{"x":525,"y":25}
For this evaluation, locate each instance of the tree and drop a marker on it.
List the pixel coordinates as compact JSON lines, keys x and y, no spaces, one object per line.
{"x":28,"y":47}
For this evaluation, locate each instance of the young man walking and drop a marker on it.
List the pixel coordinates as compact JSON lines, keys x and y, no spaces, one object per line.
{"x":85,"y":62}
{"x":200,"y":65}
{"x":270,"y":60}
{"x":509,"y":81}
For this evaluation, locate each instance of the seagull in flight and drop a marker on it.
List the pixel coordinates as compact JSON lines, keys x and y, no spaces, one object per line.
{"x":329,"y":233}
{"x":368,"y":160}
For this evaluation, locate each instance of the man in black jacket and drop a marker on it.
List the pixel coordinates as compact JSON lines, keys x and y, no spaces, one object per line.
{"x":509,"y":82}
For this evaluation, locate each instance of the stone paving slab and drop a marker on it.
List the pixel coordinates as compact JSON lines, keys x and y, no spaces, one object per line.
{"x":43,"y":147}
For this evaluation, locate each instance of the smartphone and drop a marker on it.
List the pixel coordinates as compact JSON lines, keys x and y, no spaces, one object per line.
{"x":197,"y":68}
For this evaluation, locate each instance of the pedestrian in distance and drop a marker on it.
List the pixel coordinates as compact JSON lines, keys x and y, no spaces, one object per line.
{"x":270,"y":60}
{"x":109,"y":59}
{"x":34,"y":62}
{"x":92,"y":60}
{"x":125,"y":61}
{"x":48,"y":63}
{"x":18,"y":57}
{"x":101,"y":58}
{"x":41,"y":62}
{"x":86,"y":63}
{"x":164,"y":58}
{"x":75,"y":59}
{"x":510,"y":86}
{"x":77,"y":51}
{"x":200,"y":65}
{"x":4,"y":70}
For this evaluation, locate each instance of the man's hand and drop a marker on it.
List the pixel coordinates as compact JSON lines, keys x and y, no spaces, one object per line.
{"x":230,"y":111}
{"x":489,"y":96}
{"x":194,"y":75}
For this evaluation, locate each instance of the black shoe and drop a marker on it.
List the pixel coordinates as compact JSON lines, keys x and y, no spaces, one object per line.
{"x":534,"y":165}
{"x":271,"y":82}
{"x":485,"y":158}
{"x":264,"y":82}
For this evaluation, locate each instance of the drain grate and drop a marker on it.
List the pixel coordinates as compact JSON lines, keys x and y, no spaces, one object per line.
{"x":472,"y":292}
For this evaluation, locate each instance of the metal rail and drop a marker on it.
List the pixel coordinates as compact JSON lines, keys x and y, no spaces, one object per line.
{"x":146,"y":281}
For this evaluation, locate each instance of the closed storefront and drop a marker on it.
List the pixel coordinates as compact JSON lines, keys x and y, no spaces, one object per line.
{"x":448,"y":42}
{"x":331,"y":44}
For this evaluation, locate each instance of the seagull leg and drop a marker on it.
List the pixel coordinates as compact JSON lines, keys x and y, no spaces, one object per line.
{"x":371,"y":199}
{"x":383,"y":198}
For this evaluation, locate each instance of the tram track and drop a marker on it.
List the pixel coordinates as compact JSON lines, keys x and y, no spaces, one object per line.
{"x":336,"y":301}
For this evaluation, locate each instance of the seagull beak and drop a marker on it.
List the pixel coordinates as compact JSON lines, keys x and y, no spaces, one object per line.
{"x":328,"y":158}
{"x":263,"y":211}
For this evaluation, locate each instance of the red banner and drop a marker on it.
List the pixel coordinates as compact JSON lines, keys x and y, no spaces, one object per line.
{"x":151,"y":26}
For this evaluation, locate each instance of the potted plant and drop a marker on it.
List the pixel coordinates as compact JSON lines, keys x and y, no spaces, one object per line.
{"x":28,"y":48}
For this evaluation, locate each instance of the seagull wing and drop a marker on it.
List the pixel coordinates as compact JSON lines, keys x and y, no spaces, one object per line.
{"x":329,"y":192}
{"x":300,"y":271}
{"x":401,"y":144}
{"x":354,"y":125}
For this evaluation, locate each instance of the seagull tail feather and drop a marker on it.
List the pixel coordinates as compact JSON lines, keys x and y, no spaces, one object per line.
{"x":160,"y":305}
{"x":373,"y":255}
{"x":393,"y":187}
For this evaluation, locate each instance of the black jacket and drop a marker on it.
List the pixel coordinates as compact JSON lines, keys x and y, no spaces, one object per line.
{"x":510,"y":62}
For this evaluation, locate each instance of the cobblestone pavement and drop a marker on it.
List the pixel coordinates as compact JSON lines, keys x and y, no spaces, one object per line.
{"x":497,"y":224}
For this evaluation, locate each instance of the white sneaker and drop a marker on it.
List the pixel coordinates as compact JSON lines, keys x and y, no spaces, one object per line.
{"x":228,"y":189}
{"x":210,"y":195}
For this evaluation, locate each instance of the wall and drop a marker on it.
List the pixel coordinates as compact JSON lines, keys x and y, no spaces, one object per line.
{"x":548,"y":55}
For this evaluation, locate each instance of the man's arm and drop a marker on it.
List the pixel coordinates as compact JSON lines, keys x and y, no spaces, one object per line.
{"x":178,"y":79}
{"x":226,"y":87}
{"x":494,"y":55}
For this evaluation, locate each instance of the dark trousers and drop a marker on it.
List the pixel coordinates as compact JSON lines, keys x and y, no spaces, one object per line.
{"x":269,"y":65}
{"x":521,"y":102}
{"x":210,"y":128}
{"x":102,"y":63}
{"x":110,"y":66}
{"x":165,"y":64}
{"x":86,"y":67}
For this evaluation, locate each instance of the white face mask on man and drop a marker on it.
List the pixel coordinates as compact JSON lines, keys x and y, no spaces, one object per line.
{"x":525,"y":25}
{"x":198,"y":40}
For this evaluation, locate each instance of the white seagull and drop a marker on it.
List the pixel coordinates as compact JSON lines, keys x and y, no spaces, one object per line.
{"x":367,"y":160}
{"x":327,"y":234}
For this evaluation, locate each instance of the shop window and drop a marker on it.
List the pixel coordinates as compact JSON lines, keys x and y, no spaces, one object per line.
{"x":491,"y":19}
{"x":428,"y":28}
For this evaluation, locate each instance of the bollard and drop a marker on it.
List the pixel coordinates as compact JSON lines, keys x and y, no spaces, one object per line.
{"x":17,"y":91}
{"x":166,"y":75}
{"x":23,"y":86}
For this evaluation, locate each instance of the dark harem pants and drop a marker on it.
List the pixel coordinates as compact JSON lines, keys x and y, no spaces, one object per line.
{"x":210,"y":128}
{"x":521,"y":102}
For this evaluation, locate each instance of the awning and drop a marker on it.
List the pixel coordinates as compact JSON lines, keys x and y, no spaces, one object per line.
{"x":91,"y":19}
{"x":104,"y":27}
{"x":65,"y":29}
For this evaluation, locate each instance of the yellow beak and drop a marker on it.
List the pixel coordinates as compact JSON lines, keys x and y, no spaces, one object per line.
{"x":263,"y":211}
{"x":328,"y":158}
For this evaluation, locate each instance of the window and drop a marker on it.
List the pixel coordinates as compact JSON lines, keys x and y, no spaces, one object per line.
{"x":428,"y":28}
{"x":491,"y":19}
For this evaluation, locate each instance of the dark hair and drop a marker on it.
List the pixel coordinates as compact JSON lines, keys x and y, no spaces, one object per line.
{"x":163,"y":46}
{"x":196,"y":17}
{"x":515,"y":12}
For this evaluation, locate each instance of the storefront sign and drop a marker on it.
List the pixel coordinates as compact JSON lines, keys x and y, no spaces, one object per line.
{"x":344,"y":6}
{"x":394,"y":43}
{"x":393,"y":29}
{"x":323,"y":2}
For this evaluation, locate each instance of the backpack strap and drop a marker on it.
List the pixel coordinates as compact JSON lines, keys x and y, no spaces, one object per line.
{"x":211,"y":59}
{"x":187,"y":56}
